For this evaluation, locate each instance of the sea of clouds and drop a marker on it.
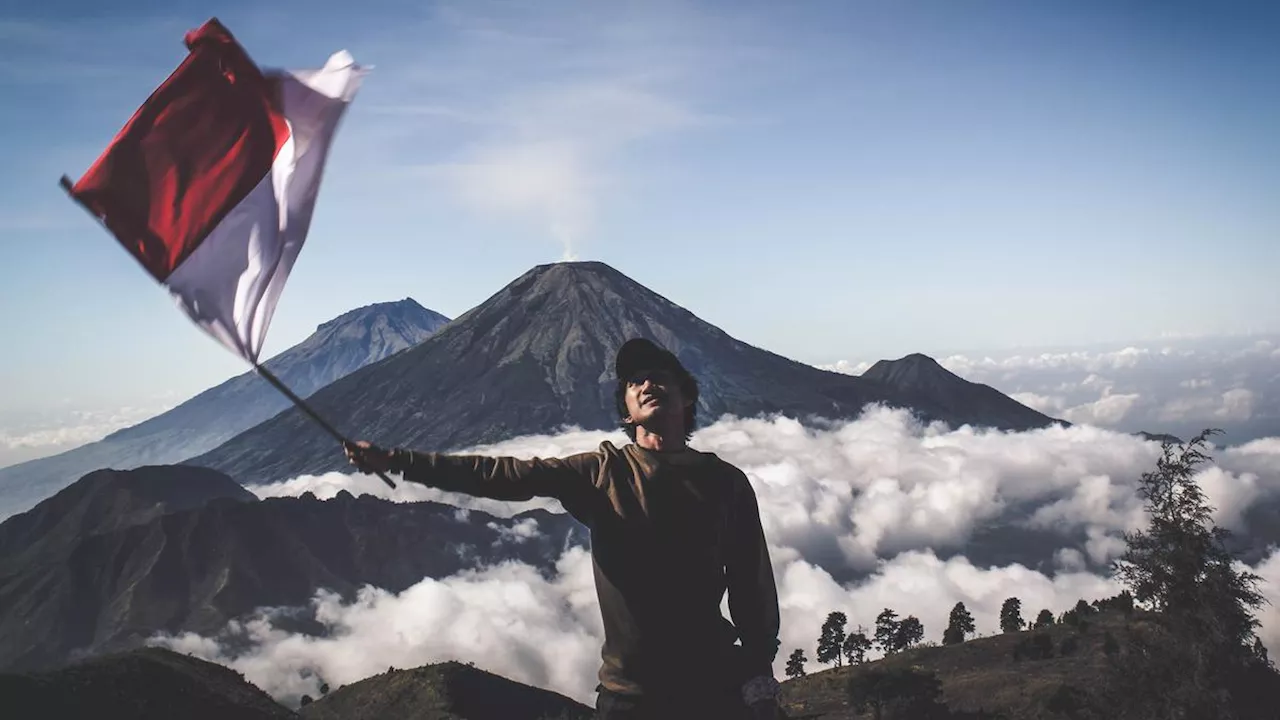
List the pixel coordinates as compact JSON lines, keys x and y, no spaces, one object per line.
{"x":861,"y":516}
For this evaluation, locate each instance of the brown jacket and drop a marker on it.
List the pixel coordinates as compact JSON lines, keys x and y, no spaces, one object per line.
{"x":670,"y":533}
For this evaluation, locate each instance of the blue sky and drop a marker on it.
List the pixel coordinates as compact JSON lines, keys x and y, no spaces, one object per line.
{"x":825,"y":180}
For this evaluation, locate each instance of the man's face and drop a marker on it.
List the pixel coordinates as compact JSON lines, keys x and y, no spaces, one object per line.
{"x":654,"y":398}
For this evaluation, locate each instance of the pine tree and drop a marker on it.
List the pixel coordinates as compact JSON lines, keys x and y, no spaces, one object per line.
{"x":1109,"y":644}
{"x":831,"y":642}
{"x":1043,"y":620}
{"x":887,"y":631}
{"x":897,"y":692}
{"x":910,"y":632}
{"x":795,"y":664}
{"x":856,"y":647}
{"x":1011,"y":615}
{"x":959,"y":626}
{"x":1122,"y":602}
{"x":1199,"y":658}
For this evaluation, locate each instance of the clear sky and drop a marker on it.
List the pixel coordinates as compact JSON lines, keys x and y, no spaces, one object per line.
{"x":827,"y":180}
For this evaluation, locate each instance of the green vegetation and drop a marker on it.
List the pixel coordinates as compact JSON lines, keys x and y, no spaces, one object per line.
{"x":1011,"y":616}
{"x":959,"y":626}
{"x":856,"y":646}
{"x":831,"y":642}
{"x":795,"y":664}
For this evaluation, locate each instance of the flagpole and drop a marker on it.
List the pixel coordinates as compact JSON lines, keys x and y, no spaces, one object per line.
{"x":275,"y":381}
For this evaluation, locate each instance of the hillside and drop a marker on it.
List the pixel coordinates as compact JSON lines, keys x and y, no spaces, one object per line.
{"x":538,"y":355}
{"x":446,"y":691}
{"x":337,"y":348}
{"x":981,"y":674}
{"x":1052,"y":674}
{"x":146,"y":684}
{"x":108,"y":500}
{"x":1055,"y":673}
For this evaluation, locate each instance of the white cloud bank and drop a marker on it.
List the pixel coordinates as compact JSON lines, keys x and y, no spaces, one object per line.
{"x":40,"y":434}
{"x":880,"y":499}
{"x":544,"y":111}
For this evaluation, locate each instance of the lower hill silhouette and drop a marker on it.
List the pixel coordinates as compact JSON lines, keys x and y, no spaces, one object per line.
{"x":107,"y":500}
{"x":118,"y":567}
{"x":446,"y":691}
{"x":145,"y":684}
{"x":1060,"y":672}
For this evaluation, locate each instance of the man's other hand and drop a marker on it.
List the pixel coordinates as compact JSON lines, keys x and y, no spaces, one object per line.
{"x":761,"y":695}
{"x":367,"y":457}
{"x":766,"y":710}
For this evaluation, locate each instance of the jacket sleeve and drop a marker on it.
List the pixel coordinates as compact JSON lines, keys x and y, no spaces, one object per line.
{"x":753,"y":595}
{"x":502,"y":478}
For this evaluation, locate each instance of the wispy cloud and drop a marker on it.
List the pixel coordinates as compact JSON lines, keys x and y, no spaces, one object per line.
{"x":85,"y":50}
{"x":27,"y":436}
{"x":541,"y":106}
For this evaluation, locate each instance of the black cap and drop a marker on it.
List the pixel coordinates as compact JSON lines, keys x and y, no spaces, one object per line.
{"x":640,"y":354}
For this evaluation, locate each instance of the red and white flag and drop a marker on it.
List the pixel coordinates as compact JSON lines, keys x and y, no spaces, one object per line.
{"x":212,"y":183}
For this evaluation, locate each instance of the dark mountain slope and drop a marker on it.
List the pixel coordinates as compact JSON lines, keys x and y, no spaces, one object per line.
{"x":108,"y":500}
{"x":446,"y":691}
{"x":147,"y":684}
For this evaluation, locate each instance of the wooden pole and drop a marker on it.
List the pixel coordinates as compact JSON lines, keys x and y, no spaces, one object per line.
{"x":302,"y":405}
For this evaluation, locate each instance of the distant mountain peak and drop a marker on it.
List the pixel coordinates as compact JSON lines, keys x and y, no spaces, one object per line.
{"x":407,"y":306}
{"x":914,"y":370}
{"x":918,"y":376}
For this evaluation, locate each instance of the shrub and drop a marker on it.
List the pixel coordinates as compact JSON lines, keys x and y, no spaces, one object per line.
{"x":1109,"y":644}
{"x":1037,"y":647}
{"x":1069,"y":646}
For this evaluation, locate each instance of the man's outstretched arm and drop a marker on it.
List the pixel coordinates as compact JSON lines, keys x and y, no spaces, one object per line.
{"x":499,"y":478}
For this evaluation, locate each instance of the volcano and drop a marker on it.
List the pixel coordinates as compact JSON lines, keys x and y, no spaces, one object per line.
{"x":538,"y":356}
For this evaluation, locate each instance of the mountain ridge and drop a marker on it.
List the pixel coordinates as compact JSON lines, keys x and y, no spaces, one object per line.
{"x":109,"y":500}
{"x":537,"y":355}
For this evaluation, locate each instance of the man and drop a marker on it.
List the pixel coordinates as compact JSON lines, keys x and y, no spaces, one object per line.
{"x":671,"y":530}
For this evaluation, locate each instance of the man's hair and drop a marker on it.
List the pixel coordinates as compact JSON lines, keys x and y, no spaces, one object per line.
{"x":688,"y":387}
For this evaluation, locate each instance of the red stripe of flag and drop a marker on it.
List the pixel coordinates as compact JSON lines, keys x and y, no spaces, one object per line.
{"x":191,"y":153}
